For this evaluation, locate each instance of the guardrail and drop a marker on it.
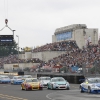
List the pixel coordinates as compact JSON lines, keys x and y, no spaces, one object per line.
{"x":2,"y":73}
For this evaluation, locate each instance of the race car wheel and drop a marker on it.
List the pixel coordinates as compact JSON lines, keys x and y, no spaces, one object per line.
{"x":40,"y":88}
{"x":11,"y":83}
{"x":48,"y":87}
{"x":89,"y":90}
{"x":22,"y":88}
{"x":52,"y":87}
{"x":26,"y":89}
{"x":81,"y":90}
{"x":68,"y":88}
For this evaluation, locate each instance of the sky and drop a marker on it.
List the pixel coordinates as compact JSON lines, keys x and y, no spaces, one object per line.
{"x":35,"y":21}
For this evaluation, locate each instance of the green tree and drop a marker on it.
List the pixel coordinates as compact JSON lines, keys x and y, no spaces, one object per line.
{"x":6,"y":50}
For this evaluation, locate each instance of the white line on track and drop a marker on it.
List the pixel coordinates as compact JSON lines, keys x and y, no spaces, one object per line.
{"x":55,"y":93}
{"x":6,"y":85}
{"x":59,"y":96}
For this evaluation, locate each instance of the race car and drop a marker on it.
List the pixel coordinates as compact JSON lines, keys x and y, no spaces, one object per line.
{"x":16,"y":80}
{"x":58,"y":83}
{"x":4,"y":79}
{"x":31,"y":84}
{"x":44,"y":81}
{"x":90,"y":85}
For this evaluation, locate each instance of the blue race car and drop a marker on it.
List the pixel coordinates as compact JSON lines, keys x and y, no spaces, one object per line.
{"x":58,"y":83}
{"x":4,"y":79}
{"x":16,"y":80}
{"x":90,"y":85}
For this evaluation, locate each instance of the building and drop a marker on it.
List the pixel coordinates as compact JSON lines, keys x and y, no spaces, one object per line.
{"x":78,"y":32}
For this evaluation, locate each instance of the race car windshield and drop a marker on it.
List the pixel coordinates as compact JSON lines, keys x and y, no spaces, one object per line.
{"x":17,"y":77}
{"x":94,"y":80}
{"x":46,"y":78}
{"x":27,"y":76}
{"x":4,"y":77}
{"x":58,"y":79}
{"x":32,"y":80}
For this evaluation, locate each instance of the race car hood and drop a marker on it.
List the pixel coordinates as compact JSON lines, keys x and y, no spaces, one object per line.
{"x":96,"y":84}
{"x":33,"y":83}
{"x":60,"y":83}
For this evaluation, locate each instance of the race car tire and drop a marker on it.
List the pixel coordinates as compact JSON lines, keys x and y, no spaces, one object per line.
{"x":40,"y":88}
{"x":48,"y":87}
{"x":26,"y":89}
{"x":68,"y":88}
{"x":11,"y":83}
{"x":52,"y":87}
{"x":89,"y":90}
{"x":22,"y":88}
{"x":81,"y":90}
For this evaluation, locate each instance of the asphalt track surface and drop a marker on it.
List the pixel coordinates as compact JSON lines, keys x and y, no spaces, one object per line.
{"x":14,"y":92}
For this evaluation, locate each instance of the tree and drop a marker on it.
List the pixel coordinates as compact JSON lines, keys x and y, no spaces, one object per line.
{"x":6,"y":50}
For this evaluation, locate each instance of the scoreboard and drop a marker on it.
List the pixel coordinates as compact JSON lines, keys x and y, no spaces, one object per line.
{"x":6,"y":40}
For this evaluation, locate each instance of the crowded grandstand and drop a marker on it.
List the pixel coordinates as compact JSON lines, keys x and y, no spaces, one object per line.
{"x":71,"y":60}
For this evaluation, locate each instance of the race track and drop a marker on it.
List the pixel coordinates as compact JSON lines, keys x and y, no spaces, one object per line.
{"x":13,"y":92}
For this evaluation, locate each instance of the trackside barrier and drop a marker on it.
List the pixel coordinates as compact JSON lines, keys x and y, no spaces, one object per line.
{"x":71,"y":78}
{"x":2,"y":73}
{"x":20,"y":73}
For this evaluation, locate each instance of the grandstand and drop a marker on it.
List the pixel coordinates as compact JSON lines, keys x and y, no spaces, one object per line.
{"x":70,"y":53}
{"x":77,"y":32}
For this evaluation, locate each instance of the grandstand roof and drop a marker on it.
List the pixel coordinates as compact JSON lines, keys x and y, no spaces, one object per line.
{"x":70,"y":28}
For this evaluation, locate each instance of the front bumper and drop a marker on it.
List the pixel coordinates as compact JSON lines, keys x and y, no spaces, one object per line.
{"x":61,"y":87}
{"x":5,"y":81}
{"x":44,"y":85}
{"x":17,"y":82}
{"x":95,"y":90}
{"x":34,"y":88}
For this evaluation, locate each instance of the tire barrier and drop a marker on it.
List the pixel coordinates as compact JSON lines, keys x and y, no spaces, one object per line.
{"x":2,"y":73}
{"x":6,"y":72}
{"x":20,"y":73}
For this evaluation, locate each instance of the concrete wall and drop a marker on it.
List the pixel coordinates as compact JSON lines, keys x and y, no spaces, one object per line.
{"x":28,"y":55}
{"x":80,"y":38}
{"x":47,"y":55}
{"x":21,"y":65}
{"x":21,"y":56}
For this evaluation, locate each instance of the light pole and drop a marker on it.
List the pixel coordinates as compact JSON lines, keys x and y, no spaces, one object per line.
{"x":18,"y":49}
{"x":13,"y":32}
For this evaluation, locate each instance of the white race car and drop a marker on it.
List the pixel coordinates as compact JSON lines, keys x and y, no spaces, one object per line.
{"x":44,"y":80}
{"x":90,"y":85}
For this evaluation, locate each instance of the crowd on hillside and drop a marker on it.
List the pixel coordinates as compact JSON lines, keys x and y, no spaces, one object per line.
{"x":57,"y":46}
{"x":74,"y":55}
{"x":11,"y":59}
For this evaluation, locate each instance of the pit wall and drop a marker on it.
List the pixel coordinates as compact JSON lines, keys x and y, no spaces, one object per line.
{"x":21,"y":65}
